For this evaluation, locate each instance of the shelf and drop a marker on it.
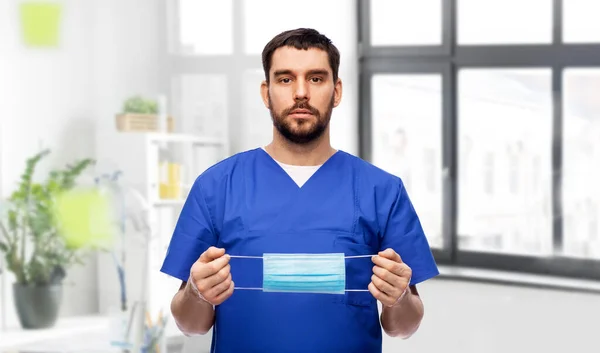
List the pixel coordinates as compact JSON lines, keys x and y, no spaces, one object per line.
{"x":64,"y":328}
{"x":185,"y":138}
{"x":86,"y":333}
{"x":168,"y":203}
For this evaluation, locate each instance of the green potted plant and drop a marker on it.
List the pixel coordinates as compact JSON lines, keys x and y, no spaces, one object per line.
{"x":33,"y":249}
{"x":140,"y":114}
{"x":140,"y":105}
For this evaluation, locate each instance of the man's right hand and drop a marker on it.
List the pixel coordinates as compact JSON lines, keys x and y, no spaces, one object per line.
{"x":210,"y":276}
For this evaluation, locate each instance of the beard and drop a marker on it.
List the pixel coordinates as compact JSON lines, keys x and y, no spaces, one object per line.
{"x":300,"y":131}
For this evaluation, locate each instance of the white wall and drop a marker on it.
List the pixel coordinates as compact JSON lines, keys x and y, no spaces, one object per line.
{"x":126,"y":62}
{"x":475,"y":317}
{"x":66,"y":99}
{"x":344,"y":121}
{"x":46,"y":101}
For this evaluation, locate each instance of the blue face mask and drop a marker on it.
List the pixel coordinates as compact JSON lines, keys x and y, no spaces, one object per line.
{"x":304,"y":273}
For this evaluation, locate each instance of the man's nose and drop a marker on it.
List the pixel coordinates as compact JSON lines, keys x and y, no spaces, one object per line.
{"x":301,"y":92}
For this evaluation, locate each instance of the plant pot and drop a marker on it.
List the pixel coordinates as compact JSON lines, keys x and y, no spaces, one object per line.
{"x":37,"y":305}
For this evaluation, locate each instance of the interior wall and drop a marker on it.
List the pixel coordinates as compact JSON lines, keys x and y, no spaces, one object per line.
{"x":344,"y":121}
{"x":469,"y":317}
{"x":46,"y":103}
{"x":126,"y":63}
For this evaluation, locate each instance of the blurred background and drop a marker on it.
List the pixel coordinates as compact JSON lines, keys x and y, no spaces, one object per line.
{"x":487,"y":109}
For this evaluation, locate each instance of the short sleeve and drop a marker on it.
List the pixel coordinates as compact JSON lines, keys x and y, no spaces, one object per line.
{"x":404,"y":233}
{"x":194,"y":233}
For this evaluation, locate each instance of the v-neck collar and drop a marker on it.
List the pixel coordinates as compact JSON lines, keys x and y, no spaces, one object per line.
{"x":289,"y":178}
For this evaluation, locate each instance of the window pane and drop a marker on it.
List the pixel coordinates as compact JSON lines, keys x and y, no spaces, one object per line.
{"x":406,"y":22}
{"x":581,"y":163}
{"x":199,"y":102}
{"x":263,"y":19}
{"x":205,"y":27}
{"x":504,"y":177}
{"x":504,"y":22}
{"x":580,"y":21}
{"x":407,"y":140}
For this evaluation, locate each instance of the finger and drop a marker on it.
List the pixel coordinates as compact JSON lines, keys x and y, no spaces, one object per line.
{"x":209,"y":282}
{"x":398,"y":268}
{"x":379,"y":295}
{"x":218,"y":289}
{"x":210,"y":254}
{"x":390,"y":254}
{"x":205,"y":270}
{"x":226,"y":294}
{"x":391,"y":278}
{"x":385,"y":287}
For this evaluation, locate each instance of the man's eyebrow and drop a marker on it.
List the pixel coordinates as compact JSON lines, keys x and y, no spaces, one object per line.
{"x":282,"y":72}
{"x":310,"y":72}
{"x":318,"y":72}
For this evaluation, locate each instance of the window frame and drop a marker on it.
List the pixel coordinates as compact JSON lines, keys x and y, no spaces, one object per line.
{"x":364,"y":14}
{"x":448,"y":59}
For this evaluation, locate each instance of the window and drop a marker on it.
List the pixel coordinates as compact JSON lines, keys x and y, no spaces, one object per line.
{"x":264,"y":19}
{"x":199,"y":20}
{"x":515,"y":156}
{"x":409,"y":126}
{"x":580,"y":21}
{"x":488,"y":174}
{"x":581,"y":162}
{"x":516,"y":139}
{"x":498,"y":109}
{"x":406,"y":22}
{"x":487,"y":22}
{"x":202,"y":103}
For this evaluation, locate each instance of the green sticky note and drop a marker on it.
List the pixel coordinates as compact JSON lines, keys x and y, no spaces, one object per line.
{"x":40,"y":23}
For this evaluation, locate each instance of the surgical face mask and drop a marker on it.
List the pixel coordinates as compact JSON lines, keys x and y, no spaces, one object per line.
{"x":304,"y":273}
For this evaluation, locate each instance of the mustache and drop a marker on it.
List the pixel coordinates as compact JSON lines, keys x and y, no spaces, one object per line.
{"x":301,"y":105}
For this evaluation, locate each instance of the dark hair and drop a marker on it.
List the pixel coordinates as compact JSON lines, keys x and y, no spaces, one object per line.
{"x":301,"y":38}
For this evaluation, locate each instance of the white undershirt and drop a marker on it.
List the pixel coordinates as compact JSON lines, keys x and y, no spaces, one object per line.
{"x":299,"y":173}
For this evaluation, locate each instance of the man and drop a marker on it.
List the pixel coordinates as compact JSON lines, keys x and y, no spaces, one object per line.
{"x":298,"y":195}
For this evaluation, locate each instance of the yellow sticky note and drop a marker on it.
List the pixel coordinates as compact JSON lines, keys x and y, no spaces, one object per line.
{"x":85,"y":218}
{"x":40,"y":23}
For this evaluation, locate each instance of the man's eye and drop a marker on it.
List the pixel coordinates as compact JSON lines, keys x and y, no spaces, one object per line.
{"x":285,"y":80}
{"x":316,"y":79}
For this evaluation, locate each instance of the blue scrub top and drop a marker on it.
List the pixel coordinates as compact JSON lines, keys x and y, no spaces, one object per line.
{"x":249,"y":205}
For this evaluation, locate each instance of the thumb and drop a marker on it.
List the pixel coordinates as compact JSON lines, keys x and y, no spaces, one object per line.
{"x":211,"y":254}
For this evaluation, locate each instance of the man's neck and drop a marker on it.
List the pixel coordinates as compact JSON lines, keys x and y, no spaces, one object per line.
{"x":314,"y":153}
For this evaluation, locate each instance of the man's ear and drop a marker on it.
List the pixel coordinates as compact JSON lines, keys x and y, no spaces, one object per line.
{"x":264,"y":93}
{"x":337,"y":92}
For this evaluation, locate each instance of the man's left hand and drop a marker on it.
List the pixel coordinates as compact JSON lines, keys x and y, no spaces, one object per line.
{"x":391,"y":278}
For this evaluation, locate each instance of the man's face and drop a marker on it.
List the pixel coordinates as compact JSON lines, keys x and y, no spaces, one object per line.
{"x":301,"y":94}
